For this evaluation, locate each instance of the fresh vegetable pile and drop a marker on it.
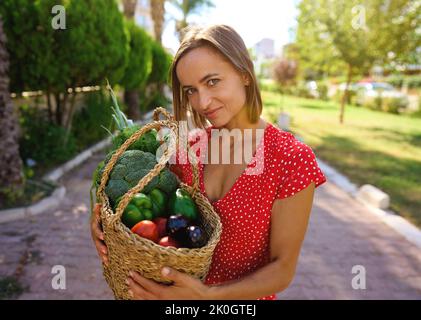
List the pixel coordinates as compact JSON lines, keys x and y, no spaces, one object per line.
{"x":162,"y":212}
{"x":173,"y":223}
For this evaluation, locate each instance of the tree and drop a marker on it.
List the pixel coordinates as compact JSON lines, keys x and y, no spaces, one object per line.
{"x":355,"y":35}
{"x":187,"y":8}
{"x":138,"y":69}
{"x":161,"y":62}
{"x":285,"y":71}
{"x":94,"y":46}
{"x":129,"y":8}
{"x":158,"y":17}
{"x":22,"y":29}
{"x":11,"y":174}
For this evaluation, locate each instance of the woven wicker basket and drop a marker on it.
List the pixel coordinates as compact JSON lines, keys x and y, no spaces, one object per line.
{"x":128,"y":251}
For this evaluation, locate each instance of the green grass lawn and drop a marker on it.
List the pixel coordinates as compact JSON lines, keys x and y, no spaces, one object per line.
{"x":370,"y":147}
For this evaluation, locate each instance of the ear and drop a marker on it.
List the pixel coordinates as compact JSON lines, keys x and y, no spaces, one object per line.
{"x":246,"y":79}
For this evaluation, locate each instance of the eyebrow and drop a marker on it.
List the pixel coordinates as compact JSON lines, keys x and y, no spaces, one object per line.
{"x":202,"y":80}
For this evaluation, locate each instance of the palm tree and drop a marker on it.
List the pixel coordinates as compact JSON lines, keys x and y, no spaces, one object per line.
{"x":11,"y":174}
{"x":158,"y":16}
{"x":187,"y":8}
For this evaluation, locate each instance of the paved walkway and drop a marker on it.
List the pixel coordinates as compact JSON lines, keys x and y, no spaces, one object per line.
{"x":341,"y":234}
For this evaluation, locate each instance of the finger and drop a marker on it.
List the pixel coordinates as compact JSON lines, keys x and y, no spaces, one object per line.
{"x":138,"y":292}
{"x":98,"y":232}
{"x":96,"y":228}
{"x":149,"y":285}
{"x":101,"y":249}
{"x":97,"y":214}
{"x":97,"y":209}
{"x":176,"y":276}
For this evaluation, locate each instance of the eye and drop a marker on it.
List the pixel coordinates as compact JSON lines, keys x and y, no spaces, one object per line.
{"x":189,"y":91}
{"x":212,"y":82}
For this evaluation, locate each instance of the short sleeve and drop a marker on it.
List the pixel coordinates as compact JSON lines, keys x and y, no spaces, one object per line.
{"x":298,"y":170}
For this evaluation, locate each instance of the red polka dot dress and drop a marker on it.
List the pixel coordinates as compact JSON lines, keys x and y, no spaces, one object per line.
{"x":280,"y":167}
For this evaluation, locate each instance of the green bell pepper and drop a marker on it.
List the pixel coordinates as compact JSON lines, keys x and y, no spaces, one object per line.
{"x":131,"y":216}
{"x":180,"y":202}
{"x":144,"y":203}
{"x":141,"y":201}
{"x":159,"y":202}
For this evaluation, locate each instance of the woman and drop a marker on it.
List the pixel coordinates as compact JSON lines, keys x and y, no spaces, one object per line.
{"x":264,"y":213}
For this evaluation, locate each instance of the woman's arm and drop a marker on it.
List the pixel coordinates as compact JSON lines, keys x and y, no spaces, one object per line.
{"x":289,"y":222}
{"x":288,"y":226}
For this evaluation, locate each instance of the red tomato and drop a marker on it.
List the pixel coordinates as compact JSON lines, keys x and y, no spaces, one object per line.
{"x":161,"y":223}
{"x":146,"y":229}
{"x":168,"y":242}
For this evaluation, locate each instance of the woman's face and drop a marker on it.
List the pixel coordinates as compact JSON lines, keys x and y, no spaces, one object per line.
{"x":214,"y":88}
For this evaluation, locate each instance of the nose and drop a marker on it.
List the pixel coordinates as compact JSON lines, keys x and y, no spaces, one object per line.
{"x":205,"y":100}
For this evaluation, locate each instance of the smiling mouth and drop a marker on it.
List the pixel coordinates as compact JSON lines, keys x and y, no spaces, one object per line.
{"x":212,"y":113}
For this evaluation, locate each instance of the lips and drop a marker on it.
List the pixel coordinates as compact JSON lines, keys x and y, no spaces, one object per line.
{"x":212,"y":113}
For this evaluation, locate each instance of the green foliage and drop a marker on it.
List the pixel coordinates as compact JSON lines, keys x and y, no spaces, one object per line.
{"x":139,"y":65}
{"x":41,"y":140}
{"x":10,"y":288}
{"x":161,"y":62}
{"x":386,"y":104}
{"x":334,"y":33}
{"x":26,"y":40}
{"x":91,"y":118}
{"x":43,"y":58}
{"x":153,"y":100}
{"x":97,"y":41}
{"x":400,"y":81}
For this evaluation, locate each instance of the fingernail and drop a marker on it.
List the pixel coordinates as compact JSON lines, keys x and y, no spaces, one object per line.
{"x":165,"y":271}
{"x":131,"y":274}
{"x":104,"y":251}
{"x":130,"y":292}
{"x":128,"y":281}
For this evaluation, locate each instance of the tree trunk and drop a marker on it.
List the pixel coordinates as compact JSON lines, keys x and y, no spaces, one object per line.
{"x":50,"y":108}
{"x":70,"y":114}
{"x":129,"y":8}
{"x":158,"y":16}
{"x":11,"y":173}
{"x":58,"y":108}
{"x":345,"y":95}
{"x":131,"y":98}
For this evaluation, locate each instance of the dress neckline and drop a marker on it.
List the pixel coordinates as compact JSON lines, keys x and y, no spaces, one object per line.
{"x":252,"y":160}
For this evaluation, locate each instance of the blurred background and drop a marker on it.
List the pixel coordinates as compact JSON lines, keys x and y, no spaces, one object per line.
{"x":345,"y":76}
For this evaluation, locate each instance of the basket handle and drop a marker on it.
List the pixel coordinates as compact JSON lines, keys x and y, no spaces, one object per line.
{"x":162,"y":110}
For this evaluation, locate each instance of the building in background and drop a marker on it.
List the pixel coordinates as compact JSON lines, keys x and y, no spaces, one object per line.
{"x":263,"y":56}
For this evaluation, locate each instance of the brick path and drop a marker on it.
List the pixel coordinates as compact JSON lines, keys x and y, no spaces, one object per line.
{"x":341,"y":234}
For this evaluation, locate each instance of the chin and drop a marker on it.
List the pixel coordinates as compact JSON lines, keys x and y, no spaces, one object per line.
{"x":217,"y":123}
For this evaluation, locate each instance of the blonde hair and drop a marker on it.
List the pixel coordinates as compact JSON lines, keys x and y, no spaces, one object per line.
{"x":228,"y":43}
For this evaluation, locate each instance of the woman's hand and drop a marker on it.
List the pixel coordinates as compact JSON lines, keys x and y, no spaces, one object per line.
{"x":98,"y":235}
{"x":184,"y":287}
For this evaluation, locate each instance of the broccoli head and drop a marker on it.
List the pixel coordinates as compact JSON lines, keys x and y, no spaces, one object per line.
{"x":129,"y":169}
